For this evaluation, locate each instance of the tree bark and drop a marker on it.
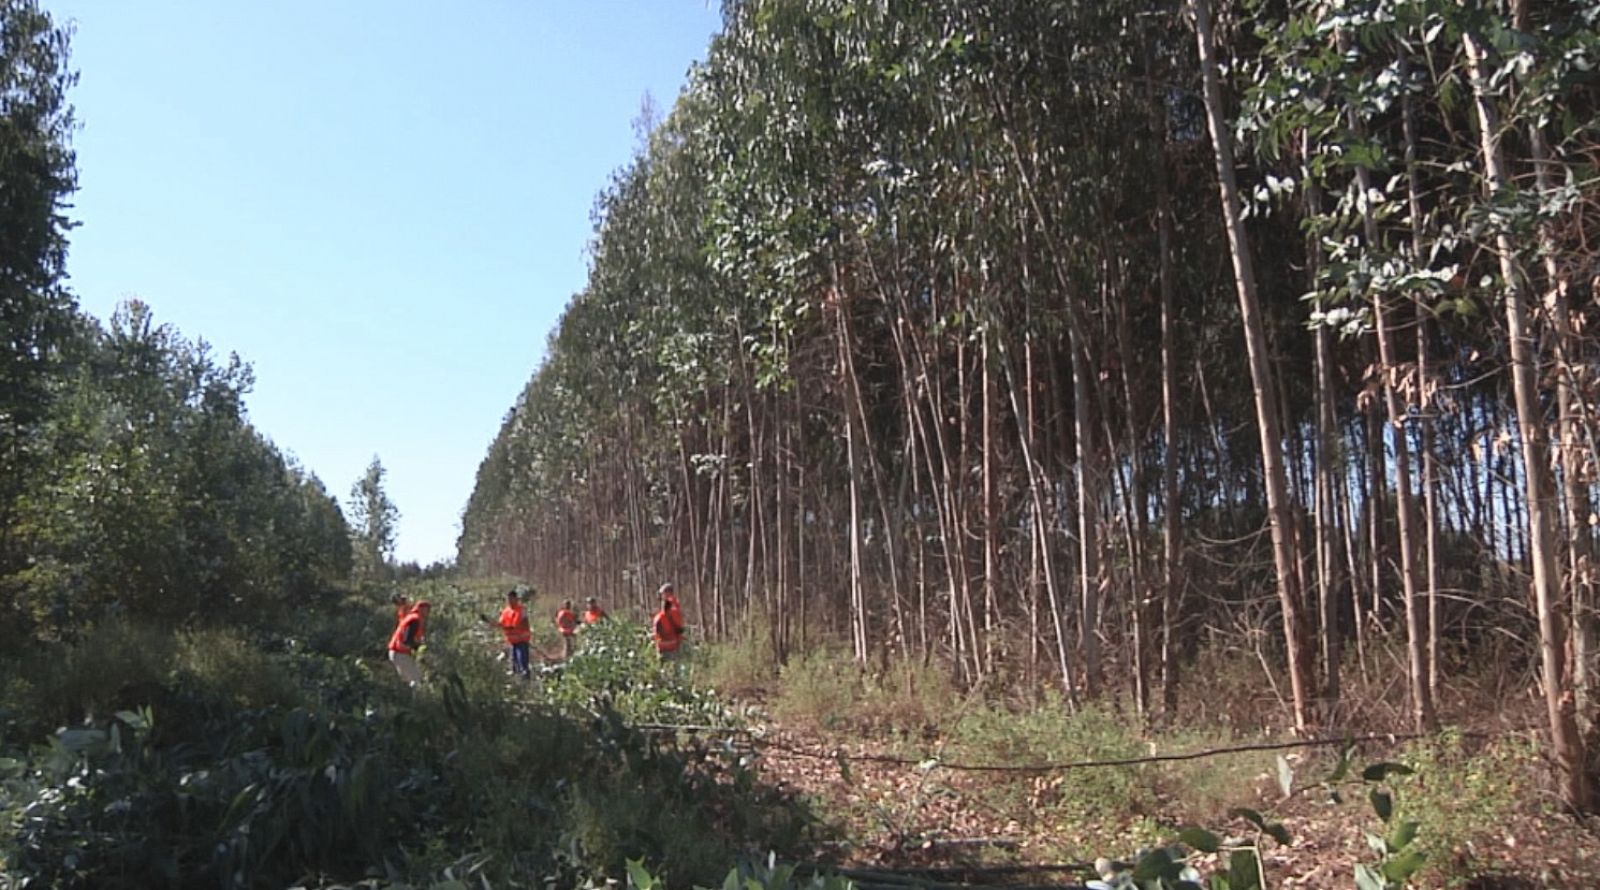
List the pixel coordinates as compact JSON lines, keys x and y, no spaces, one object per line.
{"x":1542,"y":508}
{"x":1261,"y":376}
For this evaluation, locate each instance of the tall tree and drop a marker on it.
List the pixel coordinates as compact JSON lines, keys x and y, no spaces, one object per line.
{"x":37,"y":174}
{"x":374,"y":519}
{"x":1285,"y":553}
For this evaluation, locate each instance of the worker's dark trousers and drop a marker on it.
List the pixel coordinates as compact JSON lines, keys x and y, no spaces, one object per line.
{"x":519,"y":659}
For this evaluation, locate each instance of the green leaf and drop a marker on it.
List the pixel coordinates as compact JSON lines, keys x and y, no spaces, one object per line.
{"x":1377,"y":772}
{"x":1403,"y":835}
{"x":1200,"y":839}
{"x":844,"y":767}
{"x":1346,"y":756}
{"x":1244,"y":870}
{"x":1404,"y":865}
{"x":640,"y":877}
{"x":1367,"y":879}
{"x":1279,"y":833}
{"x":1251,"y":816}
{"x":1152,"y":865}
{"x":1285,"y":776}
{"x":1382,"y":804}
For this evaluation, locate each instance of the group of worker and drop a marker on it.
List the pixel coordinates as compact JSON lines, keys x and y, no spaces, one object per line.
{"x":666,"y":630}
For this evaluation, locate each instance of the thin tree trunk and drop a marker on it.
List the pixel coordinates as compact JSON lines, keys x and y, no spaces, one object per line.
{"x":1171,"y":506}
{"x":1541,"y":499}
{"x":1088,"y":473}
{"x":1285,"y":558}
{"x":1327,"y":479}
{"x":1430,"y":481}
{"x":1422,"y":712}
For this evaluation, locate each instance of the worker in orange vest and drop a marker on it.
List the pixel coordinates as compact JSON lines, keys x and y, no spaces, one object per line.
{"x":406,"y":640}
{"x":567,"y":623}
{"x":666,"y":629}
{"x":593,"y":613}
{"x":514,"y":624}
{"x":669,"y":596}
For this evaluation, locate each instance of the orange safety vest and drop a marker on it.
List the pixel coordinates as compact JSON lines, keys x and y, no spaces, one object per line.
{"x":567,"y":621}
{"x":514,"y":623}
{"x":593,"y":616}
{"x":666,"y":631}
{"x":397,"y":642}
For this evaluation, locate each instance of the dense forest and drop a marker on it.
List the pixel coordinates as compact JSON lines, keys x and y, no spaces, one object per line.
{"x":1062,"y":342}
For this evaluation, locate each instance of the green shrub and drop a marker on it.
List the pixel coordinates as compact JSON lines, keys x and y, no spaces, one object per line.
{"x":616,"y":668}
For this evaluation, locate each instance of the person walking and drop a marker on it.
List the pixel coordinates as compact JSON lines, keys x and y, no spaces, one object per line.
{"x":670,"y":596}
{"x":406,"y":640}
{"x":514,"y":624}
{"x":593,"y":614}
{"x":567,"y":623}
{"x":666,"y":630}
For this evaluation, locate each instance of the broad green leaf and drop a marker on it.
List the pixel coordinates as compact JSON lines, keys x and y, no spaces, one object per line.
{"x":640,"y":877}
{"x":1152,"y":865}
{"x":1251,"y":816}
{"x":1402,"y":835}
{"x":1244,"y":870}
{"x":1200,"y":839}
{"x":1367,"y":879}
{"x":1377,"y":772}
{"x":1382,"y":803}
{"x":1404,"y":864}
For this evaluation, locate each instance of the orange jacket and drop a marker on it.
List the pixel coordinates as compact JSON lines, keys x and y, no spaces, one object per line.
{"x":677,"y":610}
{"x":407,"y":634}
{"x":666,"y":630}
{"x":514,"y":624}
{"x":567,"y":622}
{"x":593,"y":616}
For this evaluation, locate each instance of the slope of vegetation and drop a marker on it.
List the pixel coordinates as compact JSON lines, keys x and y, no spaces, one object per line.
{"x":289,"y":753}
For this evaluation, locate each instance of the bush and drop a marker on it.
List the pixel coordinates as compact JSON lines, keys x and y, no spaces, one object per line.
{"x":263,"y":762}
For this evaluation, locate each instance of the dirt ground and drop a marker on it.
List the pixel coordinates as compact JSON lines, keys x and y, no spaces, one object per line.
{"x":897,"y":821}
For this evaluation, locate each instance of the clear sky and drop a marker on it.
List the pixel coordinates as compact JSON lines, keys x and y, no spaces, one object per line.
{"x":381,"y":205}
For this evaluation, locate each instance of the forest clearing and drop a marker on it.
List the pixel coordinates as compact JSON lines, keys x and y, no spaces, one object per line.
{"x":1120,"y":444}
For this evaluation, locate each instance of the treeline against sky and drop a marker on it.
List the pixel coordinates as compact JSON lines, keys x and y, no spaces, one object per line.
{"x":915,"y":324}
{"x":132,"y":484}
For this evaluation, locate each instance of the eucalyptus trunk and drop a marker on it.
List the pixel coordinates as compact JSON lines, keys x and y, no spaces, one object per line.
{"x":1279,"y":509}
{"x":1542,"y":507}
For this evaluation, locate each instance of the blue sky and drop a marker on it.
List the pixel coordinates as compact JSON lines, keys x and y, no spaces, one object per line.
{"x":382,"y":206}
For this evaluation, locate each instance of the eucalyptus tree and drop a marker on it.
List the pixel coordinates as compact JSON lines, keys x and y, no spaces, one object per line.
{"x":1487,"y":64}
{"x":1284,"y":543}
{"x":374,"y":519}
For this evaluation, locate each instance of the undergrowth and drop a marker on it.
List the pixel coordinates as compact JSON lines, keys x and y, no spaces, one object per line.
{"x":293,"y":755}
